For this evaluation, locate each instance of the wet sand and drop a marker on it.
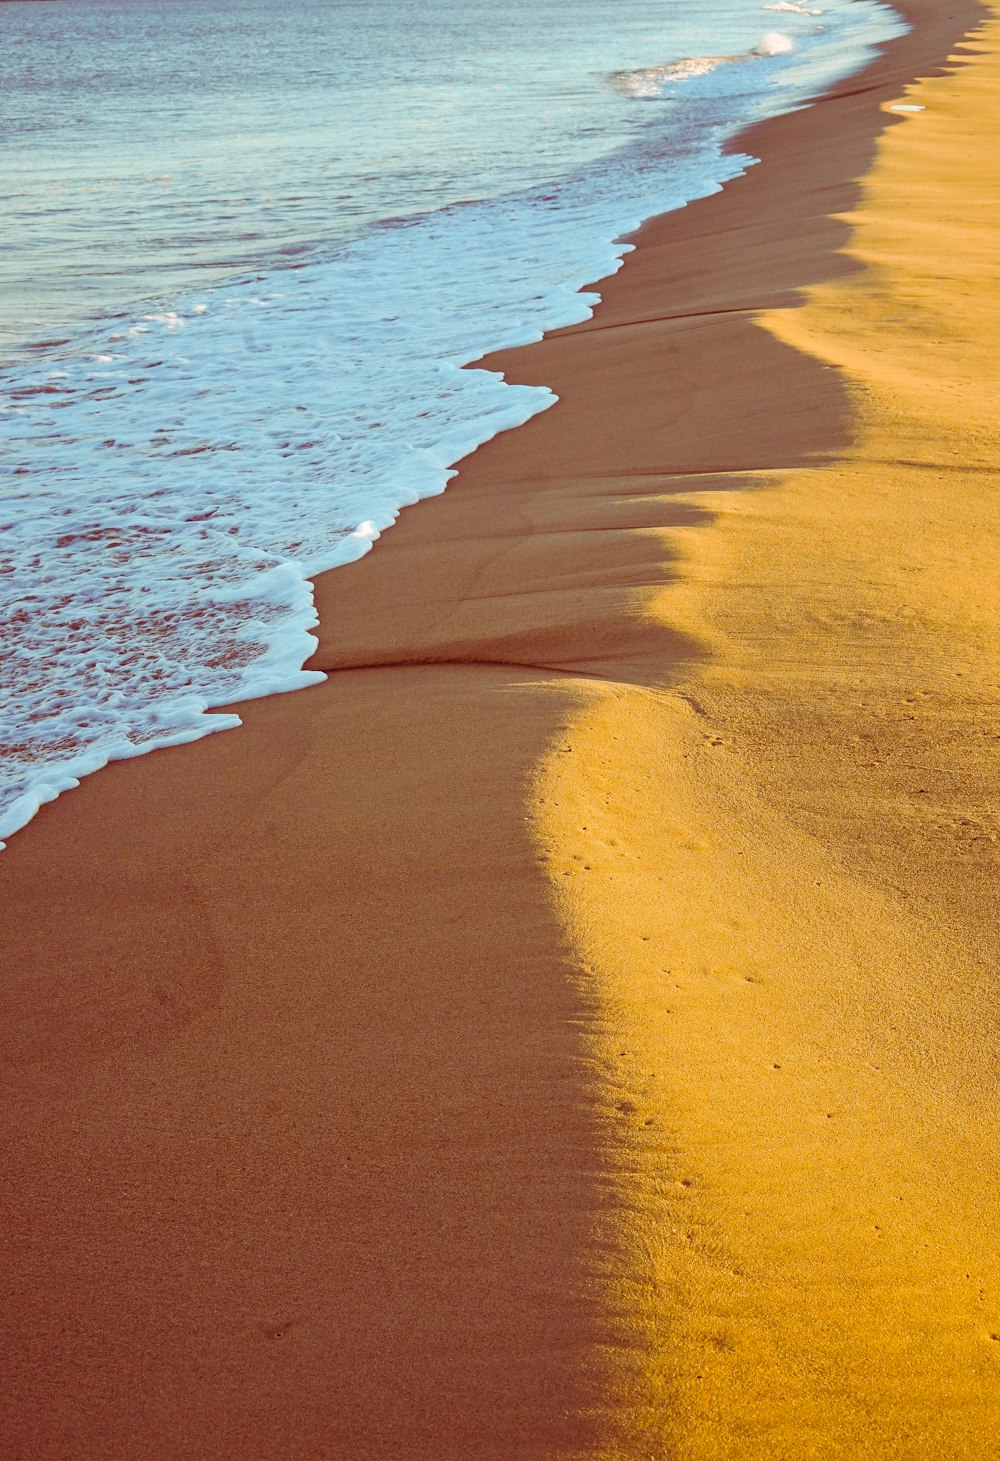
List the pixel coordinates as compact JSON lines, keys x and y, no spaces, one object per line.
{"x":567,"y":1031}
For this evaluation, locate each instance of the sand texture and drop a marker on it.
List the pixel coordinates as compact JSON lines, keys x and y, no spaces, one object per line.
{"x":570,"y":1030}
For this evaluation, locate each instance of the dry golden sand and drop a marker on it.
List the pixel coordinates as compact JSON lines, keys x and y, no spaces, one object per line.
{"x":567,"y":1031}
{"x":781,"y":879}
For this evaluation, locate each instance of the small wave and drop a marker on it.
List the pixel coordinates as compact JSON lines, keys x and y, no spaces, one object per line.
{"x":790,"y":8}
{"x":773,"y":44}
{"x":649,"y":82}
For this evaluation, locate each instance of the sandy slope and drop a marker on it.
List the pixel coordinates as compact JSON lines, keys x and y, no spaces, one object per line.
{"x":816,"y":991}
{"x":567,"y":1030}
{"x":787,"y":897}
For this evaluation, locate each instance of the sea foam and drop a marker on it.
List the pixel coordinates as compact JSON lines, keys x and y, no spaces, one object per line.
{"x":792,"y":9}
{"x":774,"y":44}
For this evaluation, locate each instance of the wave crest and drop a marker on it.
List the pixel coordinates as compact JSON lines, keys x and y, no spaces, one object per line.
{"x":649,"y":82}
{"x":773,"y":44}
{"x":791,"y":8}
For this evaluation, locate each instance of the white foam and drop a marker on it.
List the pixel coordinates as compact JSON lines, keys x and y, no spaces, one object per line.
{"x":791,"y":9}
{"x":774,"y":44}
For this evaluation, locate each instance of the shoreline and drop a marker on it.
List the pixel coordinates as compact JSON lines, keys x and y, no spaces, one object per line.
{"x":283,"y":650}
{"x":333,"y":1128}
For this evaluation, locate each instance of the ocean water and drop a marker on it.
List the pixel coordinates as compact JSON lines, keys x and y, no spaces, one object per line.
{"x":248,"y":250}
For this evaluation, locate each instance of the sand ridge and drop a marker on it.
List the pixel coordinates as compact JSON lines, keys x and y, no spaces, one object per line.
{"x":782,"y":879}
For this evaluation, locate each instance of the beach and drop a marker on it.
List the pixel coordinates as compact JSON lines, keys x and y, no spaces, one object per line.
{"x":568,"y":1030}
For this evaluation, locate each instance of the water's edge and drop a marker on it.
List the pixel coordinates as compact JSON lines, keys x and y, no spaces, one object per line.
{"x":252,"y":566}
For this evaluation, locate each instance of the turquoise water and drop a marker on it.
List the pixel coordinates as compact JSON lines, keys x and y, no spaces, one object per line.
{"x":247,"y":251}
{"x":148,"y":145}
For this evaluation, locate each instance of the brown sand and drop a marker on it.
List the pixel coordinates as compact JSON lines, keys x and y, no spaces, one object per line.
{"x":567,"y":1030}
